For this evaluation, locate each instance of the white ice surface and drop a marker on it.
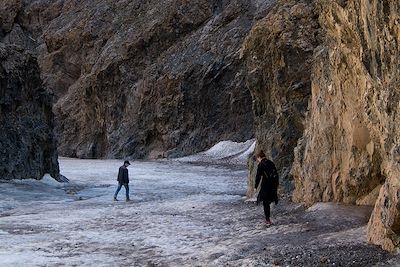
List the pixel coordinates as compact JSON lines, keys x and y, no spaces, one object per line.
{"x":46,"y":223}
{"x":224,"y":152}
{"x":181,"y":215}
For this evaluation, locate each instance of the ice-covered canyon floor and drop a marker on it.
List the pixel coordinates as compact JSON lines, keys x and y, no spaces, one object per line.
{"x":182,"y":214}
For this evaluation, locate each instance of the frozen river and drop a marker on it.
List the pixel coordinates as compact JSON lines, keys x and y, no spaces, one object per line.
{"x":180,"y":215}
{"x":172,"y":217}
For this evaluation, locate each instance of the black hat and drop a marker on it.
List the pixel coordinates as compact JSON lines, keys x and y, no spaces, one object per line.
{"x":127,"y":162}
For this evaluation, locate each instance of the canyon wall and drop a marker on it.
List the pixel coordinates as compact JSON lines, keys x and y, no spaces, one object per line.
{"x":278,"y":54}
{"x":27,"y":142}
{"x":166,"y":78}
{"x":345,"y":142}
{"x":350,"y":146}
{"x":140,"y":78}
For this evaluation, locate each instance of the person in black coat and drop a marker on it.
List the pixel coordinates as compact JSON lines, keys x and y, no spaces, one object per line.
{"x":268,"y":176}
{"x":123,"y":180}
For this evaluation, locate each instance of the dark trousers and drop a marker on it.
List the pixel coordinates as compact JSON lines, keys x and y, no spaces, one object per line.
{"x":267,"y":209}
{"x":119,"y":188}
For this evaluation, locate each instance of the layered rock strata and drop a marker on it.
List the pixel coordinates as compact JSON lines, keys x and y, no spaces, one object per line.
{"x":27,"y":142}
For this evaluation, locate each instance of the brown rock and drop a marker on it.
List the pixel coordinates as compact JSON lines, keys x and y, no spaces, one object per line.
{"x":348,"y":148}
{"x":157,"y":78}
{"x":339,"y":158}
{"x":278,"y":54}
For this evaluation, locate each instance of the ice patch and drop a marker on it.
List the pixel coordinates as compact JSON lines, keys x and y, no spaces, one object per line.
{"x":224,"y":152}
{"x":50,"y":181}
{"x":339,"y":211}
{"x":322,"y":206}
{"x":253,"y":199}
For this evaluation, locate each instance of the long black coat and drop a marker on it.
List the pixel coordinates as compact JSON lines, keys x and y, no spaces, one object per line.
{"x":267,"y":173}
{"x":123,"y":177}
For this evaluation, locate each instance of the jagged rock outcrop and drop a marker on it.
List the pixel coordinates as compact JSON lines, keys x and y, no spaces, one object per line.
{"x":278,"y":53}
{"x":352,"y":69}
{"x":27,"y":142}
{"x":350,"y":146}
{"x":348,"y":151}
{"x":141,"y":78}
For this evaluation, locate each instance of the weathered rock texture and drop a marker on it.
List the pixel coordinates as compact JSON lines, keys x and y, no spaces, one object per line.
{"x":27,"y":142}
{"x":140,"y":78}
{"x":351,"y":143}
{"x":349,"y":146}
{"x":278,"y":52}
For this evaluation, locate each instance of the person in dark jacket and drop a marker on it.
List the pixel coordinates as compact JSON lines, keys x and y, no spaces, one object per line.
{"x":123,"y":180}
{"x":268,"y":176}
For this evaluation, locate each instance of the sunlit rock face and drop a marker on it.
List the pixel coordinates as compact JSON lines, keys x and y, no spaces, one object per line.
{"x":350,"y":145}
{"x":348,"y":133}
{"x":141,"y":78}
{"x":278,"y":54}
{"x":27,"y":142}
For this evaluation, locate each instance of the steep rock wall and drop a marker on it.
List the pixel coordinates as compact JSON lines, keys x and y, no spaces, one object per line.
{"x":350,"y":144}
{"x":278,"y":54}
{"x":27,"y":142}
{"x":141,"y":78}
{"x":347,"y":136}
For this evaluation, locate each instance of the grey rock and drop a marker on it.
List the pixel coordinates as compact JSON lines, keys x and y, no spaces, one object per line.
{"x":27,"y":142}
{"x":142,"y":79}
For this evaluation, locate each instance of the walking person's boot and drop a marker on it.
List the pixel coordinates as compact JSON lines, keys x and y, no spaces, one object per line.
{"x":115,"y":199}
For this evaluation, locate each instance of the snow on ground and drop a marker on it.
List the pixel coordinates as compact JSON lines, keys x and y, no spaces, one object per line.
{"x":181,"y":215}
{"x":224,"y":152}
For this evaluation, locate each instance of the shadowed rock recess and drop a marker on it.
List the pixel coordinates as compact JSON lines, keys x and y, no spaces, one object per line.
{"x":343,"y":58}
{"x":140,"y":78}
{"x":27,"y":143}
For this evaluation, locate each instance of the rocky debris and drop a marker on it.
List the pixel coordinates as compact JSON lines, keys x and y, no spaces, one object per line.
{"x":327,"y":234}
{"x":27,"y":143}
{"x":141,"y":78}
{"x":348,"y":58}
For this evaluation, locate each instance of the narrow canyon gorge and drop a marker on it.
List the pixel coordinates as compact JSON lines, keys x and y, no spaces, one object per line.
{"x":315,"y":82}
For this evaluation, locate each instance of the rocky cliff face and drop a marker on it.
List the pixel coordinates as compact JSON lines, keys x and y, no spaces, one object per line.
{"x":278,"y":53}
{"x":140,"y":78}
{"x":350,"y":146}
{"x":27,"y":143}
{"x":163,"y":78}
{"x":348,"y":140}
